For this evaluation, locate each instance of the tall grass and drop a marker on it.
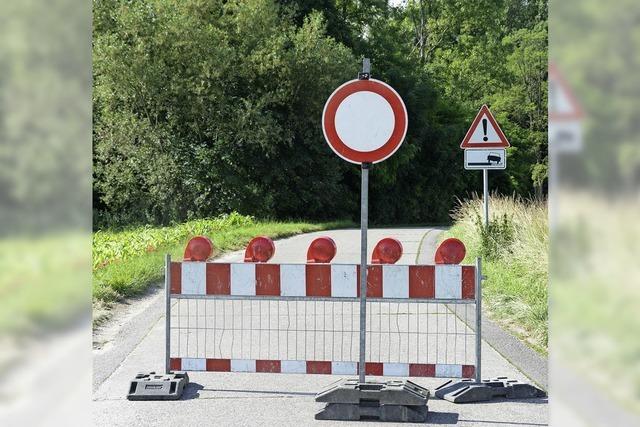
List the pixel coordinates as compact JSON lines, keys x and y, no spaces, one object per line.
{"x":514,"y":248}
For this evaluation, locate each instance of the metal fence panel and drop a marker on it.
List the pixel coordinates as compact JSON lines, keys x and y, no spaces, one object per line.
{"x":268,"y":318}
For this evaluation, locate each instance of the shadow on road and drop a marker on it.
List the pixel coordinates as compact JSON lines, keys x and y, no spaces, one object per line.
{"x":192,"y":391}
{"x":510,"y":423}
{"x":435,"y":417}
{"x":499,"y":400}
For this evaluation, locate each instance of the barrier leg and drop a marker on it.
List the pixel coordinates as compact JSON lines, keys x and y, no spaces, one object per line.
{"x":478,"y":390}
{"x":478,"y":320}
{"x":167,"y":311}
{"x":170,"y":385}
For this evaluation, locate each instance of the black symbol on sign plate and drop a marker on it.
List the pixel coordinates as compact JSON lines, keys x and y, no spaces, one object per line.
{"x":492,"y":159}
{"x":484,"y":129}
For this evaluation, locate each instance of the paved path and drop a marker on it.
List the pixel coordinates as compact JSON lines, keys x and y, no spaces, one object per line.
{"x":273,"y":399}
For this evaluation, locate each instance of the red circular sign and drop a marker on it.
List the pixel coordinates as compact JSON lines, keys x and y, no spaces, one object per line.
{"x":364,"y":121}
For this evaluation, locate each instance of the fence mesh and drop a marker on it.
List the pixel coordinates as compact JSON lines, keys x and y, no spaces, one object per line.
{"x":321,"y":330}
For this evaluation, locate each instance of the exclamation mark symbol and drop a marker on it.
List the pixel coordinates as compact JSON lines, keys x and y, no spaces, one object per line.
{"x":484,"y":129}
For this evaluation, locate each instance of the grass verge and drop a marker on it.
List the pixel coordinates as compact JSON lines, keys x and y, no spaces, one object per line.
{"x":514,"y":249}
{"x":43,"y":284}
{"x":127,"y":263}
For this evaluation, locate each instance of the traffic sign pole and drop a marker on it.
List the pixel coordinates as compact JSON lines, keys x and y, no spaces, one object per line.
{"x":484,"y":146}
{"x":364,"y":224}
{"x":485,"y":192}
{"x":364,"y":121}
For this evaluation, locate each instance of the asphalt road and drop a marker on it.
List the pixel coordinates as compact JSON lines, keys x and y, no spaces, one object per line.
{"x":134,"y":342}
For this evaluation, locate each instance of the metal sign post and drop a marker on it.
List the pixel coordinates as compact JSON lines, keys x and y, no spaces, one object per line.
{"x":478,"y":285}
{"x":364,"y":122}
{"x":485,"y":196}
{"x":364,"y":222}
{"x":167,"y":308}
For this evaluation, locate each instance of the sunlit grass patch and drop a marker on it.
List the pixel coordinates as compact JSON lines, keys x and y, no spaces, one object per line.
{"x":44,"y":281}
{"x":127,"y":263}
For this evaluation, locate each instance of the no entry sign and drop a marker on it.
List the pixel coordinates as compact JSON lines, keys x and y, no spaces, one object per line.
{"x":364,"y":121}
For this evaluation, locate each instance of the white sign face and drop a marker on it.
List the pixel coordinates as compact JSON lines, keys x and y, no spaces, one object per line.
{"x":484,"y":133}
{"x":563,"y":105}
{"x":490,"y":158}
{"x":565,"y":136}
{"x":364,"y":121}
{"x":560,"y":100}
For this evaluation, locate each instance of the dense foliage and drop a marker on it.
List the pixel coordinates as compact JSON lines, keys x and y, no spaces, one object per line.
{"x":203,"y":107}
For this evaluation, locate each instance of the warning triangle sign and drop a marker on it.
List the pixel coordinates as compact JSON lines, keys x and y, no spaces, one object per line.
{"x":484,"y":132}
{"x":563,"y":105}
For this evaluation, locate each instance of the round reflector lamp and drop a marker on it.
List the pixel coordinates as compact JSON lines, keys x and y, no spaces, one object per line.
{"x":387,"y":251}
{"x":199,"y":248}
{"x":321,"y":250}
{"x":450,"y":251}
{"x":260,"y":249}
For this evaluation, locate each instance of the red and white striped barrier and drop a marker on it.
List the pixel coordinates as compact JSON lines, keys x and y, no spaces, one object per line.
{"x":446,"y":282}
{"x":323,"y":367}
{"x":440,"y":281}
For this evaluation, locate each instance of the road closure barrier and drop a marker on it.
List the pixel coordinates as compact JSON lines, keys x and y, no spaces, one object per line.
{"x":304,"y":318}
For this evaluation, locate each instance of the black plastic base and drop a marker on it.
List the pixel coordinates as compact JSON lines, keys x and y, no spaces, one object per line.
{"x":349,"y":400}
{"x":467,"y":391}
{"x":152,"y":386}
{"x":360,"y":412}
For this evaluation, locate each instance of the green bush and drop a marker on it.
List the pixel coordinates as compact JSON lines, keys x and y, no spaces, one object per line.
{"x":119,"y":245}
{"x":496,"y":238}
{"x":208,"y":106}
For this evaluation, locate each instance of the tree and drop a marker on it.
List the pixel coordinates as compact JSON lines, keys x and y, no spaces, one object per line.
{"x":202,"y":107}
{"x":206,"y":107}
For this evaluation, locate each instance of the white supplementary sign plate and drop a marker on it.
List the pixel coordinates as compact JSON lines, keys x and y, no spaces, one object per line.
{"x":565,"y":116}
{"x":490,"y":158}
{"x":565,"y":136}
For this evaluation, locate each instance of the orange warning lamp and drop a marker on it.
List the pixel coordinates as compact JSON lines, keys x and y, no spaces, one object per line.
{"x":259,"y":249}
{"x":387,"y":251}
{"x":199,"y":248}
{"x":450,"y":251}
{"x":321,"y":250}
